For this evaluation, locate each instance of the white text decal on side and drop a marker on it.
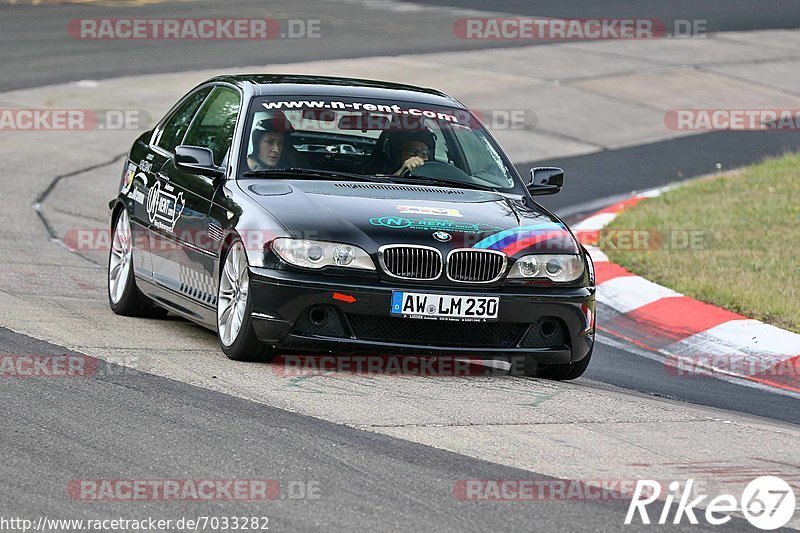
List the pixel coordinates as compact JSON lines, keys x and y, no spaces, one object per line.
{"x":164,"y":208}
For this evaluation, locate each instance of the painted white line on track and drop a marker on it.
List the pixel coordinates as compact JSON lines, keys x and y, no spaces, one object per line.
{"x":749,"y":337}
{"x":594,"y":222}
{"x":628,"y":293}
{"x":717,"y":374}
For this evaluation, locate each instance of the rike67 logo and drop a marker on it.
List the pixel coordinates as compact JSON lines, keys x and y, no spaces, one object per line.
{"x":767,"y":502}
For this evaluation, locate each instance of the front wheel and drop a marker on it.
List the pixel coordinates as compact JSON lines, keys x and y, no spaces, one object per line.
{"x":565,"y":371}
{"x":234,"y":306}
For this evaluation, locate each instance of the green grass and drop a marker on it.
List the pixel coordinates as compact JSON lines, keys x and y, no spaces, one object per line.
{"x":747,"y":258}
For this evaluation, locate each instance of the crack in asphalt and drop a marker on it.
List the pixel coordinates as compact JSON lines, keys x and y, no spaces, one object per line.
{"x":709,"y":70}
{"x":542,"y":423}
{"x":38,"y":205}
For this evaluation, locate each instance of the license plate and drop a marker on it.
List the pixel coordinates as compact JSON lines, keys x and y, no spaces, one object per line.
{"x":443,"y":306}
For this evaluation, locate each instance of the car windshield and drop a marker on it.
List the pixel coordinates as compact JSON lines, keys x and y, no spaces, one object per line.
{"x":404,"y":141}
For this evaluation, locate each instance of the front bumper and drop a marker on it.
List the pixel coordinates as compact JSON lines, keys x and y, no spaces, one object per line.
{"x":553,"y":324}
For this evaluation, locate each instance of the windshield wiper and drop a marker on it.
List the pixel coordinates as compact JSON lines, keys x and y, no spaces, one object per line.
{"x":447,"y":182}
{"x":313,"y":173}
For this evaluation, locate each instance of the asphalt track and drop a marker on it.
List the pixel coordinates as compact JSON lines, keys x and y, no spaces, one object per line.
{"x":330,"y":477}
{"x":647,"y":166}
{"x":37,"y":50}
{"x":136,"y":423}
{"x":36,"y":36}
{"x":194,"y":433}
{"x":739,"y":15}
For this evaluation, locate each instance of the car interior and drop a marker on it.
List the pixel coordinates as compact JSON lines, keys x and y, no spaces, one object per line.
{"x":359,"y":143}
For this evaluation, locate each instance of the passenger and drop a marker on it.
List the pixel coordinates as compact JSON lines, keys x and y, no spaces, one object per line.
{"x":269,"y":144}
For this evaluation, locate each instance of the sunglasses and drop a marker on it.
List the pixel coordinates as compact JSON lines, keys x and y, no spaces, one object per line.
{"x":415,"y":152}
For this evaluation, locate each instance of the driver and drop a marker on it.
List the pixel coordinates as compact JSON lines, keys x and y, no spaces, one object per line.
{"x":268,"y":144}
{"x":408,"y":150}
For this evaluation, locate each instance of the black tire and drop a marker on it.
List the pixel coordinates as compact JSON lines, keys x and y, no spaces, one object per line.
{"x":246,"y":346}
{"x":132,"y":302}
{"x":566,"y":371}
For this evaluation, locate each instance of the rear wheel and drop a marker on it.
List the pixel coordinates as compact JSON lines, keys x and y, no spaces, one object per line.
{"x":234,"y":306}
{"x":123,"y":295}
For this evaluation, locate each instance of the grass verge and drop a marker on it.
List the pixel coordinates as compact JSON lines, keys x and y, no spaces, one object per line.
{"x":731,"y":241}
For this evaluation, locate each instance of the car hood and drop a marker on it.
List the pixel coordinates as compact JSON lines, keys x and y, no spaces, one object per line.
{"x":370,"y":215}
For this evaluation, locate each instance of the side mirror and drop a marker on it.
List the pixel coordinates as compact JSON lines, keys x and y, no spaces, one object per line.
{"x":196,"y":160}
{"x":545,"y":180}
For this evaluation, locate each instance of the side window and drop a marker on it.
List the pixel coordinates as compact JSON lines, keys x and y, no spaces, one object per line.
{"x":175,"y":126}
{"x":214,"y":124}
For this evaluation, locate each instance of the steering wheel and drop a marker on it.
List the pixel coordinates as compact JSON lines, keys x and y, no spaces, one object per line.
{"x":440,"y":169}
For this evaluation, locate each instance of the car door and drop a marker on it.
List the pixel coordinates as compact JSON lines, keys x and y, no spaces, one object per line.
{"x":167,"y":135}
{"x":185,"y":196}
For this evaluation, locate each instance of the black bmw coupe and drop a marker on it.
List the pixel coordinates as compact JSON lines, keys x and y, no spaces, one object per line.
{"x":297,"y":213}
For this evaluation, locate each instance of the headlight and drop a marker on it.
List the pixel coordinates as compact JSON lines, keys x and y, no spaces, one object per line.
{"x":558,"y":268}
{"x":318,"y":254}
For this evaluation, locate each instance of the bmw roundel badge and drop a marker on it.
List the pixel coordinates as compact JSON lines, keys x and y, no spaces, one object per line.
{"x":442,"y":236}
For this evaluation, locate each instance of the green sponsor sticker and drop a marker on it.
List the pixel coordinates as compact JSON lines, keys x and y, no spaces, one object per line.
{"x":431,"y":224}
